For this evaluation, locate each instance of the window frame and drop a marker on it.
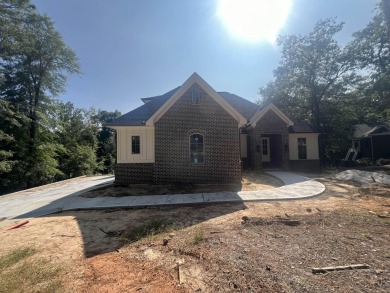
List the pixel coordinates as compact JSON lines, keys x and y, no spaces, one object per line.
{"x":195,"y":100}
{"x":196,"y":144}
{"x":302,"y":148}
{"x":135,"y":145}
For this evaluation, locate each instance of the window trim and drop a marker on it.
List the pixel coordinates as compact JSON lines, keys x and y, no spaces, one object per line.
{"x":300,"y":146}
{"x":132,"y":145}
{"x":190,"y":152}
{"x":193,"y":100}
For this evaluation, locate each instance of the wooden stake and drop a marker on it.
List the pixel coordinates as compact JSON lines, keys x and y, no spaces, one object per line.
{"x":339,"y":268}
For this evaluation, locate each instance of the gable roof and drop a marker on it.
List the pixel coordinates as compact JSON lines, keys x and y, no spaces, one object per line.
{"x":365,"y":130}
{"x":196,"y":79}
{"x":243,"y":110}
{"x":270,"y":107}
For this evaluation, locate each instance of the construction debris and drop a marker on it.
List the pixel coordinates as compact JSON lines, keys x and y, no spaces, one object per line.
{"x":338,"y":268}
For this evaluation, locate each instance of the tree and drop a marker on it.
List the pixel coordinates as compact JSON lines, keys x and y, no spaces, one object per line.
{"x":385,"y":6}
{"x":370,"y":48}
{"x":107,"y":145}
{"x":35,"y":62}
{"x":76,"y":131}
{"x":314,"y":76}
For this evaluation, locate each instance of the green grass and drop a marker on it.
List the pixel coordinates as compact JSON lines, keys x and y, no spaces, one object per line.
{"x":19,"y":272}
{"x":151,"y":228}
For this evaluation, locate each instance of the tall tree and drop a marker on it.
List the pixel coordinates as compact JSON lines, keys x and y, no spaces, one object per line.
{"x":313,"y":70}
{"x":312,"y":82}
{"x":106,"y":138}
{"x":35,"y":62}
{"x":370,"y":47}
{"x":76,"y":132}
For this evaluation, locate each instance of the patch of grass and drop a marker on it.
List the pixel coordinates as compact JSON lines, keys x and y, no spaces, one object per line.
{"x":152,"y":228}
{"x":198,"y":237}
{"x":15,"y":256}
{"x":21,"y":273}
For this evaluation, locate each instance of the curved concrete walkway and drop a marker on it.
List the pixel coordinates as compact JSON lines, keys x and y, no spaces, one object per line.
{"x":297,"y":187}
{"x":65,"y":196}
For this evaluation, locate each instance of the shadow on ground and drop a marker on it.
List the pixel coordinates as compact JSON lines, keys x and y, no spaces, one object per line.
{"x":107,"y":229}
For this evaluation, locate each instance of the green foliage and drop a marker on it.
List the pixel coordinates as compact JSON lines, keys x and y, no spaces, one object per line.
{"x":81,"y":161}
{"x":312,"y":82}
{"x":107,"y":141}
{"x":333,"y":87}
{"x":371,"y":49}
{"x":41,"y":139}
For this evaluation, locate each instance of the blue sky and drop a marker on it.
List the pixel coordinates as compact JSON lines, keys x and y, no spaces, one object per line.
{"x":134,"y":49}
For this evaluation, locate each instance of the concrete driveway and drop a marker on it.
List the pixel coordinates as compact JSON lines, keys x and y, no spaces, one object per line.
{"x":63,"y":196}
{"x":46,"y":199}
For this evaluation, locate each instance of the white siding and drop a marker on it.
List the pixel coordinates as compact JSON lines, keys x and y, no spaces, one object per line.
{"x":124,"y":134}
{"x":312,"y":145}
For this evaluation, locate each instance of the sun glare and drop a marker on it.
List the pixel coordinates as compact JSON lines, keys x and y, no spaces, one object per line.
{"x":254,"y":20}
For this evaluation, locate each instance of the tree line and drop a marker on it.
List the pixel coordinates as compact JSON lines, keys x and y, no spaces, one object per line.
{"x":42,"y":139}
{"x":334,"y":86}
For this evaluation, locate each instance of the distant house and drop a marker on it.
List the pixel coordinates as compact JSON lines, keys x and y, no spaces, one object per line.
{"x":195,"y":134}
{"x":369,"y":140}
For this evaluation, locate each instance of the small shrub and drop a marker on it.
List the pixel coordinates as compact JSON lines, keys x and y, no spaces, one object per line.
{"x":198,"y":237}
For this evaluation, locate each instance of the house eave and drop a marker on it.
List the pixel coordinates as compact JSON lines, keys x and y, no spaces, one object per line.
{"x":196,"y":79}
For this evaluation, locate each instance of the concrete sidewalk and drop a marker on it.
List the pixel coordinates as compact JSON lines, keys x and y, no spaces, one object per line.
{"x":297,"y":187}
{"x":64,"y":196}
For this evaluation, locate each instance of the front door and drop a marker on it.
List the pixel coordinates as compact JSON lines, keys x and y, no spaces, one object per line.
{"x":265,"y":149}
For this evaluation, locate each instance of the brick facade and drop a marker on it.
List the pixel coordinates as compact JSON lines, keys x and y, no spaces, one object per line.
{"x":133,"y":173}
{"x":276,"y":129}
{"x":221,"y":143}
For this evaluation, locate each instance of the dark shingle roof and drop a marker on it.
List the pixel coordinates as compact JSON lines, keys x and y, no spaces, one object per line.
{"x":140,"y":115}
{"x":301,"y":127}
{"x":366,"y":129}
{"x":244,"y":107}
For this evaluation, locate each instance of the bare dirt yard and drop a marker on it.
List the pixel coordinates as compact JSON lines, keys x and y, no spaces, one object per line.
{"x":242,"y":247}
{"x":250,"y":181}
